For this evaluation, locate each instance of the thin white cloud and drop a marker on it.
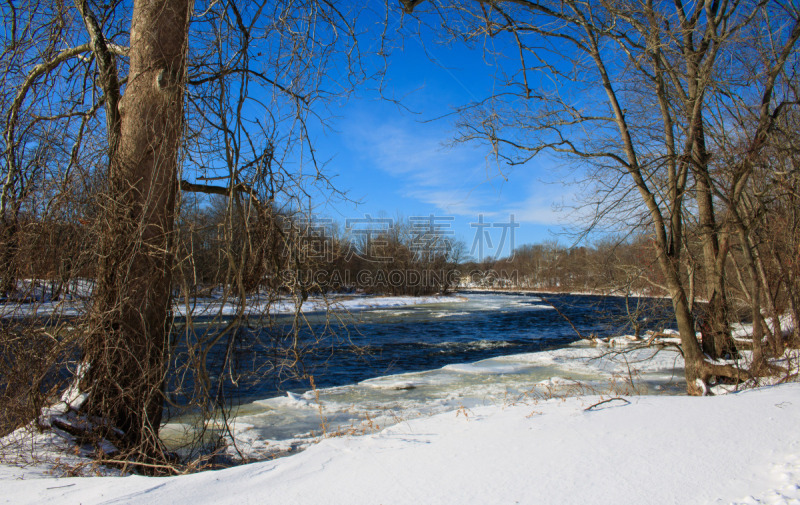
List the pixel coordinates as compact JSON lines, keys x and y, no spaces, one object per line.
{"x":452,"y":201}
{"x":547,"y":203}
{"x":457,"y":180}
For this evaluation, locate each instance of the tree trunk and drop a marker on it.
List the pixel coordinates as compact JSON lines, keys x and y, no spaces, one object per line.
{"x":692,"y":354}
{"x":717,"y":340}
{"x":129,"y":323}
{"x":694,"y":363}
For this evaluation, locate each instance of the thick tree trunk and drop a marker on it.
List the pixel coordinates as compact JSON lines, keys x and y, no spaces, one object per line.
{"x":717,"y":340}
{"x":692,"y":354}
{"x":694,"y":364}
{"x":129,"y":324}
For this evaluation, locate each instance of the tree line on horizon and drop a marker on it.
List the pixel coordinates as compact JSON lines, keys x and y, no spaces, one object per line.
{"x":281,"y":252}
{"x":627,"y":267}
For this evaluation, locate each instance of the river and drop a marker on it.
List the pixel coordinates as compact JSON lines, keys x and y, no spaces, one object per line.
{"x":376,"y":367}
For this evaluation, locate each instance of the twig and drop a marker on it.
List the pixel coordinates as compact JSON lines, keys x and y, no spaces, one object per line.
{"x":591,"y":407}
{"x":545,"y":300}
{"x":59,"y":487}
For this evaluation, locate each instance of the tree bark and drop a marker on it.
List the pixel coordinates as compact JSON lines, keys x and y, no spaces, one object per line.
{"x":717,"y":341}
{"x":130,"y":319}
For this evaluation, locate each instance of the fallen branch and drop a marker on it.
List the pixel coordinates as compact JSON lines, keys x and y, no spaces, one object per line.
{"x":591,"y":407}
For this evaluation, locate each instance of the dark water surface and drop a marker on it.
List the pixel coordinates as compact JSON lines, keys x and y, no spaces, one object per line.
{"x":382,"y":341}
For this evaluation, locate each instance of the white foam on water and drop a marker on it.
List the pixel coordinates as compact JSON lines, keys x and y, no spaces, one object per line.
{"x":393,"y":385}
{"x":469,"y":345}
{"x":557,"y":381}
{"x":449,"y":314}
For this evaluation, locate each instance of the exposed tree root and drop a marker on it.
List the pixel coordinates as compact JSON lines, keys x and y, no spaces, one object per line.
{"x":709,"y":370}
{"x":738,"y":375}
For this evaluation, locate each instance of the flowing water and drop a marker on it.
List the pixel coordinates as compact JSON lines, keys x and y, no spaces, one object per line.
{"x":379,"y":366}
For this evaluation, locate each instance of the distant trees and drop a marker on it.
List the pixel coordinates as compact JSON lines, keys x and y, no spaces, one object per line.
{"x":611,"y":266}
{"x":294,"y":252}
{"x":412,"y":257}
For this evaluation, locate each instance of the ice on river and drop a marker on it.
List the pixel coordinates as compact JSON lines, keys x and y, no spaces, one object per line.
{"x":276,"y":425}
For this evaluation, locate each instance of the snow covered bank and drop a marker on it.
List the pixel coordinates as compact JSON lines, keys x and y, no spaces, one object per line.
{"x":555,"y":292}
{"x":617,"y":366}
{"x":339,"y":303}
{"x":213,"y":306}
{"x":738,"y":448}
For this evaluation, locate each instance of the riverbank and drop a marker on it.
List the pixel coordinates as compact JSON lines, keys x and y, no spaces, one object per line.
{"x":219,"y":305}
{"x":527,"y":427}
{"x":545,"y":292}
{"x":737,"y":448}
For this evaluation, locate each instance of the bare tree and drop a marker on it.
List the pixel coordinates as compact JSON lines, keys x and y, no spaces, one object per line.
{"x":628,"y":89}
{"x":152,"y":100}
{"x":129,"y":327}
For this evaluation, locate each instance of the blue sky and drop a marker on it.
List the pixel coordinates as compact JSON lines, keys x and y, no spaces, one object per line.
{"x":398,"y":162}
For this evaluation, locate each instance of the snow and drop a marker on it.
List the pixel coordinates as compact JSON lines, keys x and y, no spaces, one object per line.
{"x":269,"y":427}
{"x":226,"y":306}
{"x":341,"y":303}
{"x":561,"y":426}
{"x":736,"y":448}
{"x":487,"y":432}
